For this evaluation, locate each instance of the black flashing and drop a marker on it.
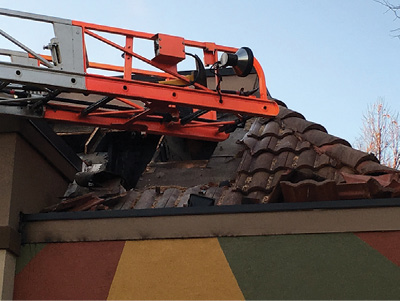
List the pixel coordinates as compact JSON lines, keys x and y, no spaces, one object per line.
{"x":211,"y":210}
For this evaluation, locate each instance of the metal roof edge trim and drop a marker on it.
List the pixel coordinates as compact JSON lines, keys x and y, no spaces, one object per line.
{"x":65,"y":151}
{"x":228,"y":209}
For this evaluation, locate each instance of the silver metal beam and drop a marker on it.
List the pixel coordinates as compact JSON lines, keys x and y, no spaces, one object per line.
{"x":42,"y":77}
{"x":36,"y":17}
{"x":26,"y":48}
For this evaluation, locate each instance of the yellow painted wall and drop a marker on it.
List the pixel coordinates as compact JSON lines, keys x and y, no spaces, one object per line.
{"x":174,"y":269}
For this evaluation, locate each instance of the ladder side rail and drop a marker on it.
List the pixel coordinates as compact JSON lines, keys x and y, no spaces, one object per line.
{"x":136,"y":90}
{"x":34,"y":17}
{"x":203,"y":45}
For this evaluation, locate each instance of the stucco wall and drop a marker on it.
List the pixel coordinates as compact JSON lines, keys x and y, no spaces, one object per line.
{"x":33,"y":173}
{"x":307,"y":266}
{"x":7,"y":265}
{"x":7,"y":156}
{"x":36,"y":184}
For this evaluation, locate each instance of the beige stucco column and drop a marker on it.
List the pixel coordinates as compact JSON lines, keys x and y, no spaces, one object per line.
{"x":7,"y":266}
{"x":32,"y":176}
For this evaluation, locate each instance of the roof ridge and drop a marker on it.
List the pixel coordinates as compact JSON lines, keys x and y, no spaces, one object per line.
{"x":347,"y":155}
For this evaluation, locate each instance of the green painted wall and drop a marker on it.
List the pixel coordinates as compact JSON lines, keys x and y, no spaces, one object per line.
{"x":317,"y":266}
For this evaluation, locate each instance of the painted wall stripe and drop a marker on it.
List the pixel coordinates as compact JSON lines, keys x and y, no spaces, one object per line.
{"x":315,"y":266}
{"x":27,"y":253}
{"x":386,"y":243}
{"x":178,"y":269}
{"x":77,"y":271}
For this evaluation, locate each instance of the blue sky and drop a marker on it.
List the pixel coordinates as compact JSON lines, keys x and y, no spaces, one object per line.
{"x":327,"y":59}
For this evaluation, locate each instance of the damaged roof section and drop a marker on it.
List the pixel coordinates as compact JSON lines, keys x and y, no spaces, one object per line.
{"x":281,"y":159}
{"x":162,"y":185}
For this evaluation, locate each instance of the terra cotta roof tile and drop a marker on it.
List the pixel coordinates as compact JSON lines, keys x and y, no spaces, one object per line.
{"x":328,"y":168}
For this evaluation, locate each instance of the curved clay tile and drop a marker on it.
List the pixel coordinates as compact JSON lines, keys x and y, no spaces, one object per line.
{"x":302,"y":146}
{"x":347,"y":155}
{"x":301,"y":125}
{"x":262,"y":162}
{"x":249,"y":141}
{"x":324,"y":160}
{"x":286,"y":113}
{"x":256,"y":128}
{"x":287,"y":143}
{"x":305,"y":159}
{"x":309,"y":191}
{"x":319,"y":138}
{"x":267,"y":144}
{"x":245,"y":163}
{"x":271,"y":128}
{"x":301,"y":153}
{"x":374,"y":168}
{"x":258,"y":181}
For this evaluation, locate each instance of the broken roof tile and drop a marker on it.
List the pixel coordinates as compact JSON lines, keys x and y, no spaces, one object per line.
{"x":353,"y":191}
{"x":309,"y":191}
{"x":391,"y":180}
{"x":373,"y":168}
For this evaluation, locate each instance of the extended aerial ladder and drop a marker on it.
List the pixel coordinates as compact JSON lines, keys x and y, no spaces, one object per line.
{"x":165,"y":101}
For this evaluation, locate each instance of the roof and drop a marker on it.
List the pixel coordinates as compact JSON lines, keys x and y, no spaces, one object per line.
{"x":281,"y":159}
{"x":290,"y":159}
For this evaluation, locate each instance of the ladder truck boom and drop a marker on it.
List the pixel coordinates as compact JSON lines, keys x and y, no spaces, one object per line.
{"x":165,"y":101}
